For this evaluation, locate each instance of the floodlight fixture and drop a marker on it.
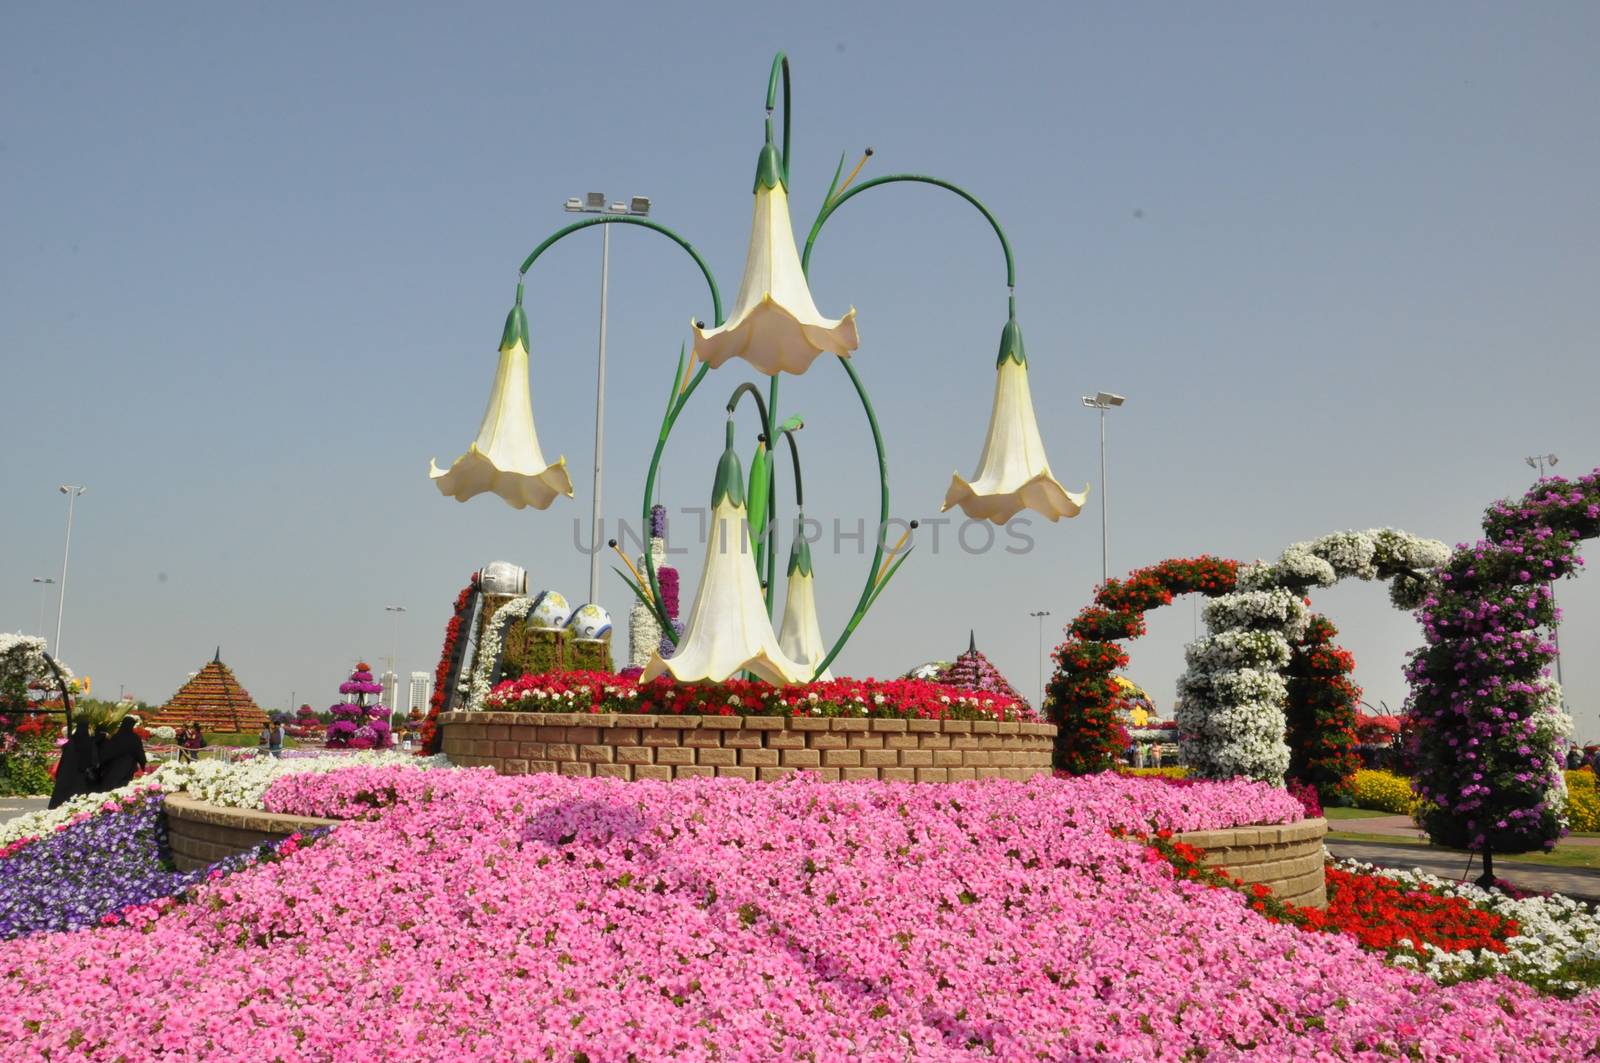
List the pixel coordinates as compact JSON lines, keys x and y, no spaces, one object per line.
{"x":574,"y":204}
{"x":639,"y":205}
{"x":594,"y":201}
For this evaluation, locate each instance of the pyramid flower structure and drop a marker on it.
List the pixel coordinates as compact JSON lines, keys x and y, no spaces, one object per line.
{"x":972,"y":671}
{"x":212,"y":698}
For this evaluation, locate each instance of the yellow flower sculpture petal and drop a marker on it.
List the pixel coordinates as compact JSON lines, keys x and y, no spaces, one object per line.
{"x":800,"y":636}
{"x":505,"y":458}
{"x":728,"y":630}
{"x":1013,"y":473}
{"x":775,"y":324}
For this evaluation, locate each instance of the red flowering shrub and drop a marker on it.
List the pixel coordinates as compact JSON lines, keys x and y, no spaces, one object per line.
{"x":1321,"y":714}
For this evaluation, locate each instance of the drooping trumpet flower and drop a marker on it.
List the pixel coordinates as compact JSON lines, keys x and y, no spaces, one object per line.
{"x":775,"y":324}
{"x":1013,"y":473}
{"x":800,"y":636}
{"x":505,"y":458}
{"x":728,"y":630}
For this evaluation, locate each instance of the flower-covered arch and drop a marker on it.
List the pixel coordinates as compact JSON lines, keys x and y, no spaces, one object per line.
{"x":1231,"y":721}
{"x":1488,"y":716}
{"x":1082,"y":694}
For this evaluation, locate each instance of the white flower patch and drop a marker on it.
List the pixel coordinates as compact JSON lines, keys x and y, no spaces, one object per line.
{"x":1273,"y":610}
{"x":237,"y":785}
{"x":1238,"y":649}
{"x":494,"y":635}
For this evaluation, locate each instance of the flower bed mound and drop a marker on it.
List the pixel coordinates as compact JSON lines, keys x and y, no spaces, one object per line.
{"x":547,"y":917}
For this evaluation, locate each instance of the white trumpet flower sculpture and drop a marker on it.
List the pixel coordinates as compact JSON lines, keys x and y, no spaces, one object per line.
{"x":1013,"y":473}
{"x":775,"y":324}
{"x":505,"y":458}
{"x":728,"y":630}
{"x":800,"y":636}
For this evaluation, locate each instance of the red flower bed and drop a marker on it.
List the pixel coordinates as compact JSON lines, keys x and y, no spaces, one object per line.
{"x":606,"y":692}
{"x":1376,"y":910}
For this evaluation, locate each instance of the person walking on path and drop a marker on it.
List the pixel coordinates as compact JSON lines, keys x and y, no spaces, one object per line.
{"x":275,"y":741}
{"x":125,"y":757}
{"x":79,"y":765}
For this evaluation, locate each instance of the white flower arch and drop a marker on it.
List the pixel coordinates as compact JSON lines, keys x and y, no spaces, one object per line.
{"x":1231,"y":720}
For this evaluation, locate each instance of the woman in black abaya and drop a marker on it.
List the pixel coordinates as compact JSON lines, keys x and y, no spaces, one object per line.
{"x":124,"y":756}
{"x":79,"y":765}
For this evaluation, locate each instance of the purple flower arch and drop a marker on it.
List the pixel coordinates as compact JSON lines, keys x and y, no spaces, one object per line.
{"x":1488,"y":719}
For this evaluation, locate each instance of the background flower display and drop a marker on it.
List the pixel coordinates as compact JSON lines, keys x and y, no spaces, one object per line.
{"x":360,"y":721}
{"x":1234,"y":693}
{"x":27,"y":731}
{"x":1490,"y":729}
{"x":973,"y":671}
{"x":645,"y":633}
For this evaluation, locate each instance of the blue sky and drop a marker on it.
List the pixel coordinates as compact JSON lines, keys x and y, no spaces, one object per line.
{"x":1341,"y":260}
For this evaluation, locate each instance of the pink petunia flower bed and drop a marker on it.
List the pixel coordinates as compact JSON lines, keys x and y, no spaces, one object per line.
{"x":556,"y":918}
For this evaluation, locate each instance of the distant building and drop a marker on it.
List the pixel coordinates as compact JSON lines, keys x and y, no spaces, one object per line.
{"x":421,"y":691}
{"x":391,"y":689}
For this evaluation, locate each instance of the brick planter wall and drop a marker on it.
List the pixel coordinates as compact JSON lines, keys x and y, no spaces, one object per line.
{"x":201,"y":833}
{"x":746,"y":747}
{"x":1287,"y":858}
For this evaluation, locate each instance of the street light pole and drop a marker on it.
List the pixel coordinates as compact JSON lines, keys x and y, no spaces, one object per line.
{"x":595,"y":203}
{"x":1538,"y":461}
{"x":1103,"y":401}
{"x":394,"y":645}
{"x":45,"y":583}
{"x":72,"y":491}
{"x":1039,"y":616}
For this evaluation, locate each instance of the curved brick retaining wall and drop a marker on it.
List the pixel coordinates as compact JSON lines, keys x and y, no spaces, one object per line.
{"x":746,"y":747}
{"x":1288,"y":859}
{"x":201,"y":833}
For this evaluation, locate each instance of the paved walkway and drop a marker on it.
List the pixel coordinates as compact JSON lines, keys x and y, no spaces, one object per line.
{"x":1402,"y":827}
{"x":12,"y":807}
{"x":1580,"y":883}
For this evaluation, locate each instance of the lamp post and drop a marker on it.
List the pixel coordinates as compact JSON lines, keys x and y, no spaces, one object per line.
{"x":1538,"y":461}
{"x":45,"y":583}
{"x":394,"y":647}
{"x":72,"y":491}
{"x":1103,"y":401}
{"x":1039,"y":616}
{"x":595,"y":203}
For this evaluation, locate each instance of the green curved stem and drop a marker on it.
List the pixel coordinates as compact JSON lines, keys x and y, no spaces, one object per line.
{"x":767,"y":543}
{"x":780,"y":64}
{"x":646,"y":223}
{"x":676,"y":405}
{"x":839,"y":201}
{"x":873,"y":584}
{"x":865,"y":601}
{"x":794,"y":458}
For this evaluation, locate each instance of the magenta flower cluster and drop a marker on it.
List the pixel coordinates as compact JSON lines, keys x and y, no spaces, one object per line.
{"x":547,"y":917}
{"x":1489,"y":727}
{"x":358,"y":722}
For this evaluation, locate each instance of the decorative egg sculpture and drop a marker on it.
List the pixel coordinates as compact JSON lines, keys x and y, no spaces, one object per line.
{"x":550,"y":609}
{"x":590,"y":622}
{"x":502,"y":577}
